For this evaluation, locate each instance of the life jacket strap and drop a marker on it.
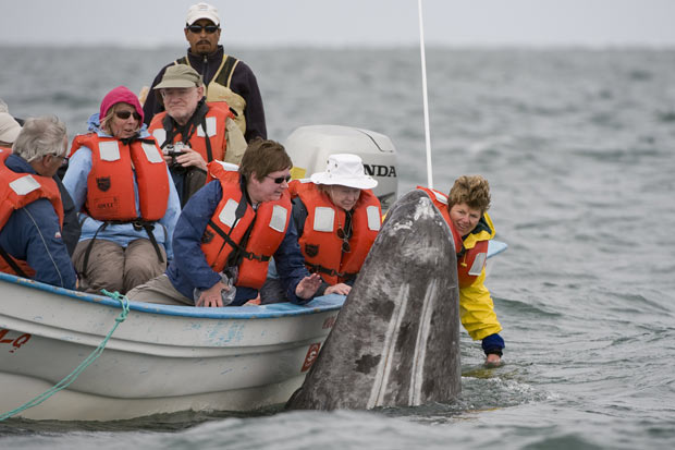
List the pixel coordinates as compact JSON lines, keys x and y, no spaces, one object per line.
{"x":15,"y":267}
{"x":241,"y":251}
{"x":138,"y":225}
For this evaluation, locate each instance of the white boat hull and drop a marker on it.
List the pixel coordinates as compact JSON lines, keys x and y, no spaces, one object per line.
{"x":161,"y":359}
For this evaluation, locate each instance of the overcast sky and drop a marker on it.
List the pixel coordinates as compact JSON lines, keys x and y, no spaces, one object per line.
{"x":595,"y":23}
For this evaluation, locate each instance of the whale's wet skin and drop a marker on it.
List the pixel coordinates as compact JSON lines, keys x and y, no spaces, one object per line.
{"x":396,"y":340}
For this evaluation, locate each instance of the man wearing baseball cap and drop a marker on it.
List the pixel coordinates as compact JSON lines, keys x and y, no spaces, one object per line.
{"x":192,"y":132}
{"x":226,"y":78}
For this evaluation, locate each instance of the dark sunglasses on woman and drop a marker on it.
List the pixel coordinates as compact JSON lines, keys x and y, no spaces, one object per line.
{"x":124,"y":115}
{"x":279,"y":180}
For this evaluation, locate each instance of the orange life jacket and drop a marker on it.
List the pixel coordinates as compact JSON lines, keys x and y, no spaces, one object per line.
{"x":230,"y":224}
{"x":440,"y":200}
{"x":471,"y":263}
{"x":215,"y":133}
{"x":18,"y":190}
{"x":110,"y":184}
{"x":320,"y":244}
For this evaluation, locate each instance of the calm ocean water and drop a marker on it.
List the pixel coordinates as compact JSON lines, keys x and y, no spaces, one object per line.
{"x":579,"y":148}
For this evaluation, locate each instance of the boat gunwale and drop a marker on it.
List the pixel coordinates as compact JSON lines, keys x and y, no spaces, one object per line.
{"x":327,"y":303}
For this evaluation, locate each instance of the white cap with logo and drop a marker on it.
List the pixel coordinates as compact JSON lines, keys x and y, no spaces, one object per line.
{"x":202,"y":11}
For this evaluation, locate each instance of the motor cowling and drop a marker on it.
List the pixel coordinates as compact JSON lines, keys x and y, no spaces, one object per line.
{"x":309,"y":147}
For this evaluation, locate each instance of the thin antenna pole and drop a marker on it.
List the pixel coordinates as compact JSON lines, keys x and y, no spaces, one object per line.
{"x":425,"y":96}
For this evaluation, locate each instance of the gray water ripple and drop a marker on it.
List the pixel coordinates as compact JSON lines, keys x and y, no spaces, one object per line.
{"x":526,"y":311}
{"x":578,"y":147}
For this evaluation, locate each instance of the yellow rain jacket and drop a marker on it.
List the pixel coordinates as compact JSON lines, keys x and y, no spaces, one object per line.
{"x":476,"y":309}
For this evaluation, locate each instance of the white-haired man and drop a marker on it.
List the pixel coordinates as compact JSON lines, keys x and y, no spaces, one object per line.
{"x":31,"y":212}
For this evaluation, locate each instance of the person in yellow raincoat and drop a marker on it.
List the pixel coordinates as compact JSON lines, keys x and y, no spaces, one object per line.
{"x":465,"y":210}
{"x":468,"y":202}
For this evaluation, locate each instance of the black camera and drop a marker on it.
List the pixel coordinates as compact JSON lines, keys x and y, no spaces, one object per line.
{"x":174,"y":150}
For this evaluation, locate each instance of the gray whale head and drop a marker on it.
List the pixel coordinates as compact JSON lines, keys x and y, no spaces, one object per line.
{"x":396,"y":339}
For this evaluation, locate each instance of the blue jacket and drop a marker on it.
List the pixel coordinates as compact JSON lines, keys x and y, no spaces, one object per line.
{"x":75,"y":182}
{"x":71,"y":224}
{"x":190,"y":269}
{"x":33,"y":234}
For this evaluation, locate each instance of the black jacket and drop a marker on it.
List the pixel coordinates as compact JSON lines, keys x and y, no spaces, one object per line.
{"x":243,"y":83}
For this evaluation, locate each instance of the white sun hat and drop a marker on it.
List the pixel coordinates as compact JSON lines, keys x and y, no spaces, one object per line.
{"x":344,"y":169}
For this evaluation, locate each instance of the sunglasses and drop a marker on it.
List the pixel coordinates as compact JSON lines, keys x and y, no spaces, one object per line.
{"x":346,"y":248}
{"x":210,"y":29}
{"x":124,"y":115}
{"x":279,"y":180}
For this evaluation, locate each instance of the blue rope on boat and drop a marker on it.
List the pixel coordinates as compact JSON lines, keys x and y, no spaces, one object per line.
{"x":68,"y":380}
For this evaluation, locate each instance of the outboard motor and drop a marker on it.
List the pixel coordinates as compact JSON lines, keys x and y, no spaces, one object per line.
{"x":309,"y":147}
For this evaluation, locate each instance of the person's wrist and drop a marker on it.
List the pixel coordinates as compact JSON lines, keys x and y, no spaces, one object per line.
{"x":493,"y":345}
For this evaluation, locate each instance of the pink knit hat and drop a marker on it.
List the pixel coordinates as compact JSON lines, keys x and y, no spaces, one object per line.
{"x":118,"y":95}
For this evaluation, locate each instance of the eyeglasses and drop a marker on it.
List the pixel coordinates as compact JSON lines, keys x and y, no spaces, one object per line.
{"x":64,"y":159}
{"x":124,"y":115}
{"x":346,"y":248}
{"x":210,"y":29}
{"x":279,"y":180}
